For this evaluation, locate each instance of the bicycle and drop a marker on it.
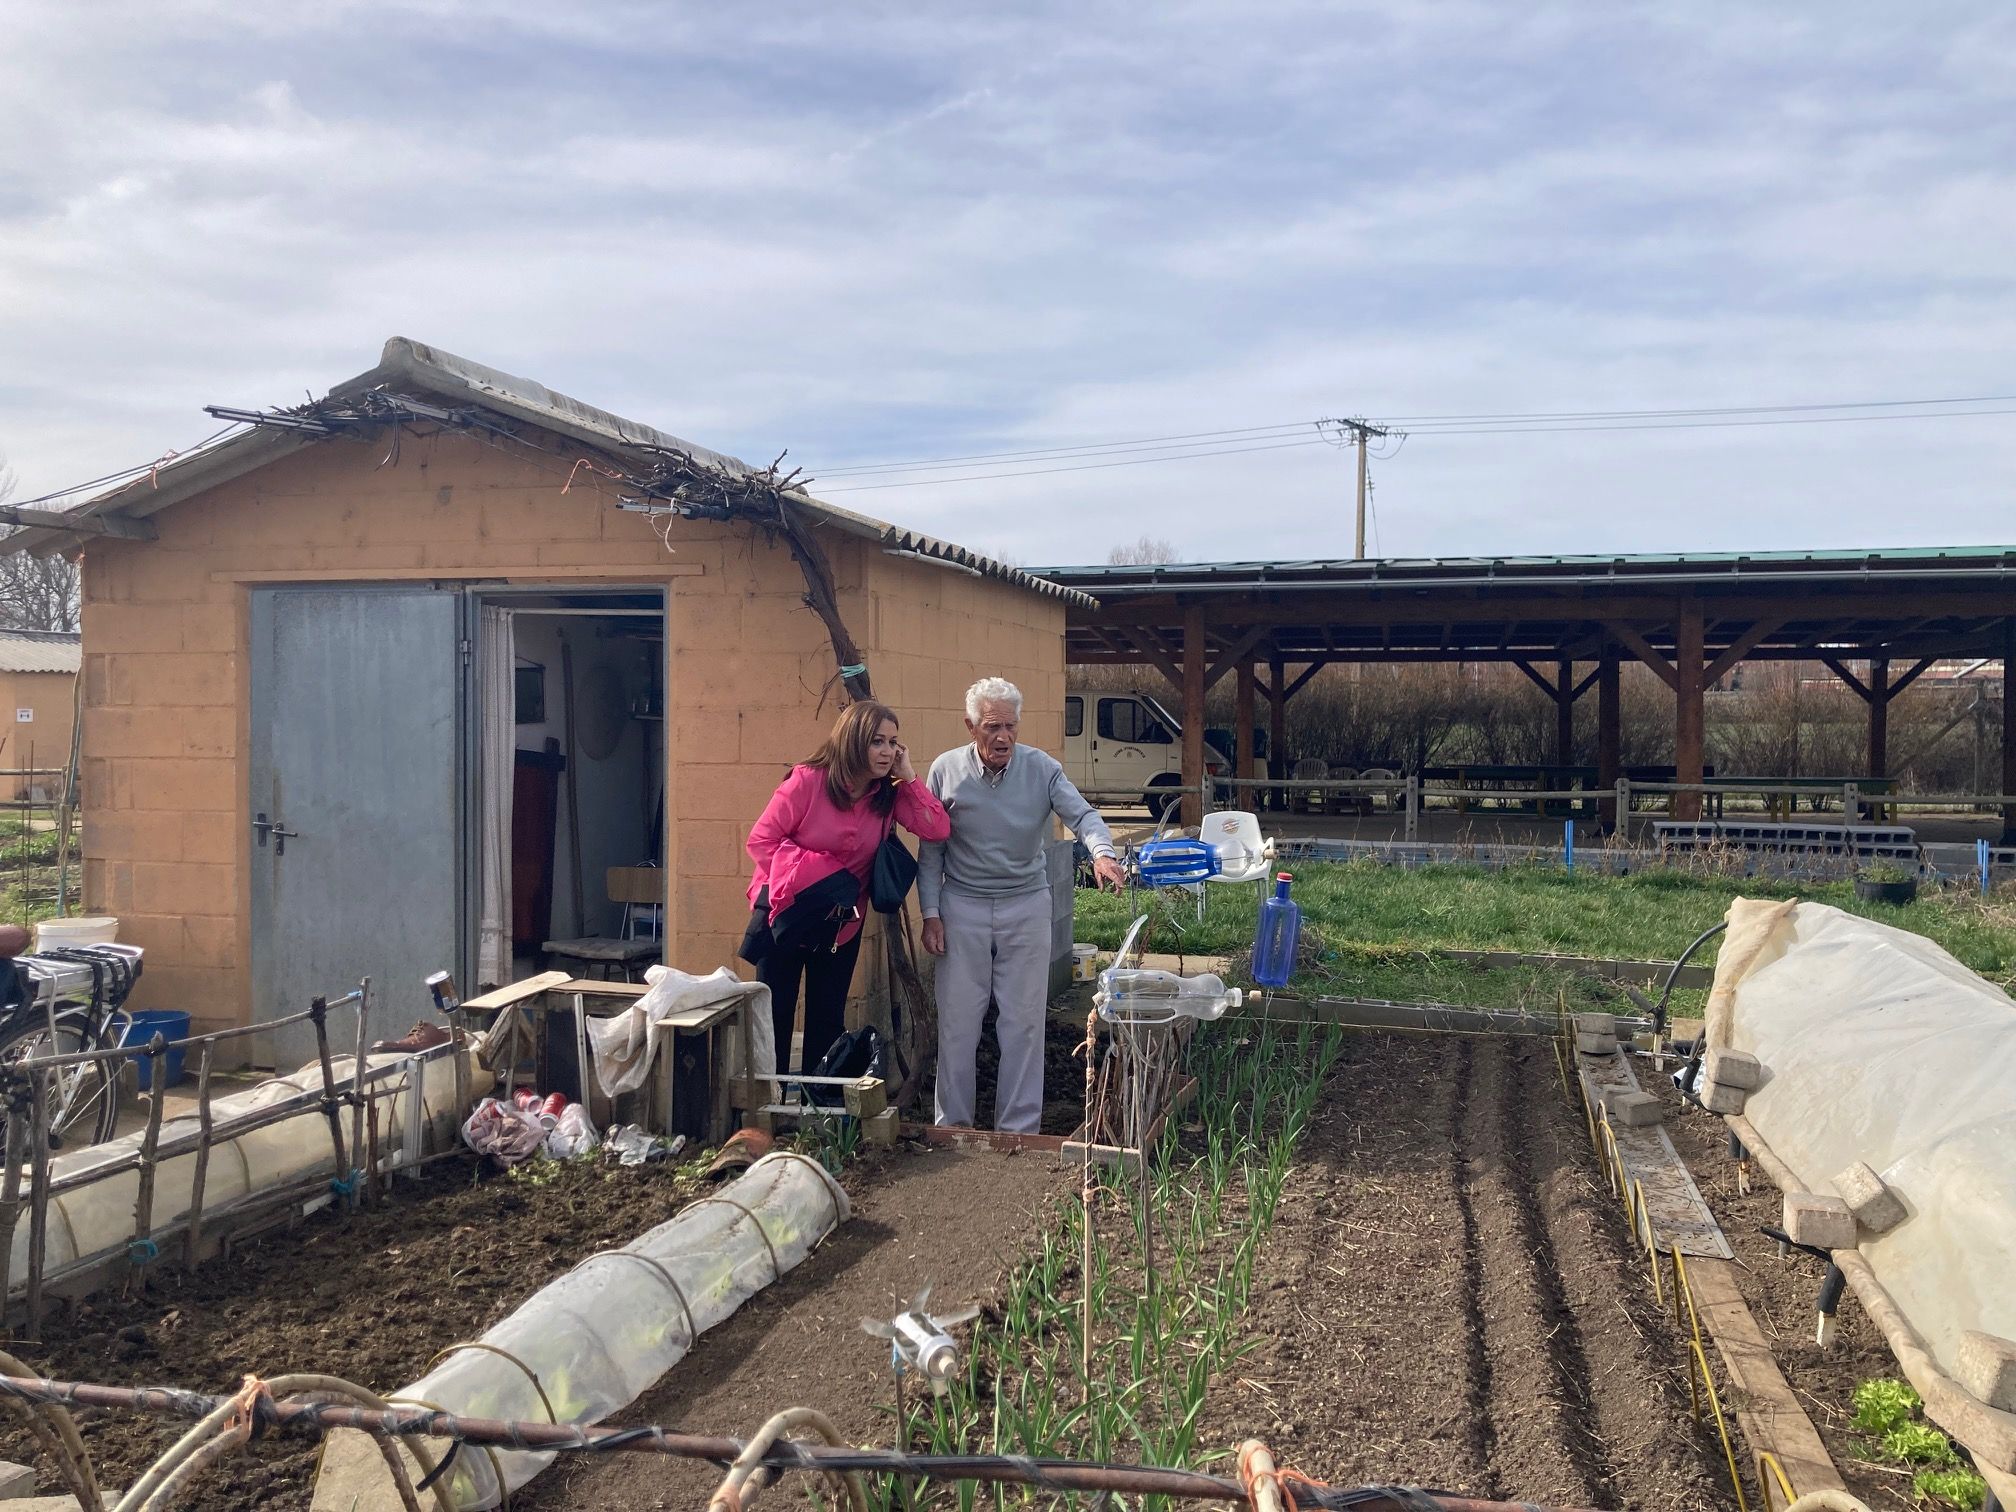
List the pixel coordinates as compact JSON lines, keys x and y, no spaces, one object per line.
{"x":67,"y":1002}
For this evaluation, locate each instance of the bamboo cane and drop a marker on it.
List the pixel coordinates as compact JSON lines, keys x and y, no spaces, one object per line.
{"x":318,"y":1010}
{"x":38,"y":1210}
{"x":192,"y":1240}
{"x":1085,"y":1196}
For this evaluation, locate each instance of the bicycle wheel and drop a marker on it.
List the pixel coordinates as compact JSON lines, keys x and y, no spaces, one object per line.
{"x":83,"y":1100}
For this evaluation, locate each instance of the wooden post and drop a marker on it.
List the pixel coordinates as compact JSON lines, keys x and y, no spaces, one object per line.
{"x":1564,"y":714}
{"x":10,"y":1186}
{"x":38,"y":1202}
{"x":1689,"y":719}
{"x":2008,"y":730}
{"x":192,"y":1237}
{"x":143,"y":1202}
{"x":1244,"y":714}
{"x":1879,"y":718}
{"x":1277,"y":728}
{"x":1193,"y":714}
{"x":1609,"y":735}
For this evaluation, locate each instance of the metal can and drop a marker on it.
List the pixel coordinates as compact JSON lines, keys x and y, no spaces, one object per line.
{"x":526,"y":1100}
{"x":552,"y":1106}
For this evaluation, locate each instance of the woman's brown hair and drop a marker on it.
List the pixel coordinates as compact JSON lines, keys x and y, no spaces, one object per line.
{"x":844,"y":756}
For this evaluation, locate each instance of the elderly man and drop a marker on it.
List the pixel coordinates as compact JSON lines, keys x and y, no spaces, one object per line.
{"x":985,"y":895}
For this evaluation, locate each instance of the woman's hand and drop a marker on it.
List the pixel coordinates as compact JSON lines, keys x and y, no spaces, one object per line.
{"x":903,"y":771}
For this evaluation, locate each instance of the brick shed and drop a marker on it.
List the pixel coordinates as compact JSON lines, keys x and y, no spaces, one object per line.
{"x":293,"y":671}
{"x":38,"y":694}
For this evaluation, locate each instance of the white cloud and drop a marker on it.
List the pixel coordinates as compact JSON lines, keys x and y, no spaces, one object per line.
{"x":897,"y":231}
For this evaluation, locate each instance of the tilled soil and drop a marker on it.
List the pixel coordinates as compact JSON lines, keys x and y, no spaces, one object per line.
{"x":1450,"y":1299}
{"x":370,"y":1298}
{"x":1783,"y":1296}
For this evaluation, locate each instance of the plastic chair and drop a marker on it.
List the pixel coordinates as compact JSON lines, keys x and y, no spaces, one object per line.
{"x":1372,"y":795}
{"x":1244,"y":855}
{"x":1310,"y":800}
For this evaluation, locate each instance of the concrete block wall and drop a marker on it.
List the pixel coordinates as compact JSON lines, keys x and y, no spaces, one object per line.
{"x":167,"y":697}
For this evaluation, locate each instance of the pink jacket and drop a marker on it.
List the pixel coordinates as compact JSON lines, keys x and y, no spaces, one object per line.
{"x":802,"y":836}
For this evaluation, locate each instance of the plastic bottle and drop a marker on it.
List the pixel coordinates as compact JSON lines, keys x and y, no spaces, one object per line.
{"x":1275,"y":941}
{"x":1134,"y":991}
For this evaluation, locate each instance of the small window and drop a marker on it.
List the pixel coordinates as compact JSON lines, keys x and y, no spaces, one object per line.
{"x":1128,"y":721}
{"x":1074,"y":718}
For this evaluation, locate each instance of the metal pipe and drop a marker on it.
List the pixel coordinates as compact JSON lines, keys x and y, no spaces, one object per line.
{"x":416,"y":1422}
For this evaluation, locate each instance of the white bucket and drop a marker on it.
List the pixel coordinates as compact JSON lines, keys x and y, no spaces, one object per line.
{"x":1084,"y":962}
{"x":61,"y":934}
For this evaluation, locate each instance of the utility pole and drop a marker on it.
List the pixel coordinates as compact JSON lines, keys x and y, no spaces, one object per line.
{"x":1363,"y":432}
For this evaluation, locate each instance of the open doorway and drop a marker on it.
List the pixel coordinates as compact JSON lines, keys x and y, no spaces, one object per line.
{"x":572,"y":831}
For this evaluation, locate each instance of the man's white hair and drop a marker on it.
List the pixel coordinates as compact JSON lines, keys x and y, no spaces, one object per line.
{"x":992,"y":690}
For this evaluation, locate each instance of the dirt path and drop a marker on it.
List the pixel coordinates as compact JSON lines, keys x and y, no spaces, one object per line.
{"x":1448,"y":1299}
{"x":954,"y":1218}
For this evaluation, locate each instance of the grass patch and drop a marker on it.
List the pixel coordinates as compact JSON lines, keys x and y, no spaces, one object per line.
{"x":1542,"y":909}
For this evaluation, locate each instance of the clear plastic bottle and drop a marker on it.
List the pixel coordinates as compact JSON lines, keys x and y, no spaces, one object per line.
{"x":1134,"y":992}
{"x":1279,"y":932}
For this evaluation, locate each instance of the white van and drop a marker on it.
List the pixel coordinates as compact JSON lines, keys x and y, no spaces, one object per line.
{"x":1116,"y":744}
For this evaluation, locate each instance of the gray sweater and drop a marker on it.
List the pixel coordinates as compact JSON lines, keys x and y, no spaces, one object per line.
{"x":999,"y":826}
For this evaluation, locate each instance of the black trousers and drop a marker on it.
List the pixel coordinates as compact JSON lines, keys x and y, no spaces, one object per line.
{"x":827,"y":975}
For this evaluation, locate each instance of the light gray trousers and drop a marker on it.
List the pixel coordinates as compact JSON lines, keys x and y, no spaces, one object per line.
{"x":996,"y":948}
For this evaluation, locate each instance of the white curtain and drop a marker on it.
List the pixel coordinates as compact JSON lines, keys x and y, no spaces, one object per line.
{"x":496,"y":670}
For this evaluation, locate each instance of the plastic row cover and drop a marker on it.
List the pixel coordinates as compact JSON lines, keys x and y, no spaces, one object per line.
{"x":1878,"y":1046}
{"x":99,"y":1218}
{"x":600,"y":1336}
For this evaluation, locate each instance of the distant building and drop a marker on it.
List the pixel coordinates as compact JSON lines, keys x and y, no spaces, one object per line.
{"x":38,"y":699}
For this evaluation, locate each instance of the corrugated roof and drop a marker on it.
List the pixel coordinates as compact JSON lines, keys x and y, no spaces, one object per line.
{"x":413,"y":365}
{"x":40,"y":651}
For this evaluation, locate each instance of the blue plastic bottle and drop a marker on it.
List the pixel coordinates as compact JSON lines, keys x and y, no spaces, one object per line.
{"x":1280,"y":930}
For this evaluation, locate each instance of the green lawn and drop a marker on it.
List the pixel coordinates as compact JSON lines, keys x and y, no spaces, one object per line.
{"x":1368,"y":917}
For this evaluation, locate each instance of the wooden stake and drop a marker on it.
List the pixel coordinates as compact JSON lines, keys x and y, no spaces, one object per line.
{"x":143,"y":1203}
{"x":192,"y":1238}
{"x":319,"y":1012}
{"x":38,"y":1210}
{"x":10,"y":1188}
{"x":363,"y":1194}
{"x":1085,"y":1196}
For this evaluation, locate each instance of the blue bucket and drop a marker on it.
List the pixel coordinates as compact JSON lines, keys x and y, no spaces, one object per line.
{"x":141,"y":1028}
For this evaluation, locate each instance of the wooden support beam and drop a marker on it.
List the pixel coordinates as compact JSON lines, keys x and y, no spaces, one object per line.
{"x":1301,"y":681}
{"x":1277,"y":719}
{"x":1741,"y":647}
{"x":1855,"y":684}
{"x":1609,"y":736}
{"x":1564,"y":715}
{"x":1139,"y":643}
{"x":1641,"y":648}
{"x":1879,"y":717}
{"x":117,"y":526}
{"x":1193,"y":714}
{"x":1238,"y":654}
{"x":1544,"y":684}
{"x":1689,"y":729}
{"x":2008,"y":729}
{"x":1900,"y":684}
{"x":1244,"y":707}
{"x":1583,"y":686}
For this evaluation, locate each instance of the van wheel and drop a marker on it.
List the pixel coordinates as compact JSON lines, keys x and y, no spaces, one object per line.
{"x":1160,"y":803}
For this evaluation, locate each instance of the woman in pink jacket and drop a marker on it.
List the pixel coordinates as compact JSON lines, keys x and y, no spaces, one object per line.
{"x":828,"y":816}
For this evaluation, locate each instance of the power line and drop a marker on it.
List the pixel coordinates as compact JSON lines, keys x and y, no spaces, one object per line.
{"x":1043,"y":453}
{"x":1040,"y":472}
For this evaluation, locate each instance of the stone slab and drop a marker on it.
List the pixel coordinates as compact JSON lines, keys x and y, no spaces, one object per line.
{"x":1822,"y":1221}
{"x":17,"y":1482}
{"x":1718,"y":1097}
{"x":1986,"y":1366}
{"x":1875,"y":1206}
{"x":1732,"y":1068}
{"x":1635,"y":1110}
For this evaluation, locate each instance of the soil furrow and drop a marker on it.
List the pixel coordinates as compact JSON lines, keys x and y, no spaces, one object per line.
{"x":1482,"y":1427}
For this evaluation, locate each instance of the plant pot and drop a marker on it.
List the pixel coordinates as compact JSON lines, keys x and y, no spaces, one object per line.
{"x":1898,"y":893}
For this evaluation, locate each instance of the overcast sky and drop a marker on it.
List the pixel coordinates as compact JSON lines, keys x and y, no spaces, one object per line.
{"x":874,"y":233}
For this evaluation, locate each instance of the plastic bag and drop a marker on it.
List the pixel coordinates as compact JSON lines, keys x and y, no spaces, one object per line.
{"x":634,"y":1146}
{"x":572,"y":1134}
{"x":507,"y":1135}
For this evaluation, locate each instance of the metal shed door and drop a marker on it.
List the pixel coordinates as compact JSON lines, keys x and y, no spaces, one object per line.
{"x":357,"y":699}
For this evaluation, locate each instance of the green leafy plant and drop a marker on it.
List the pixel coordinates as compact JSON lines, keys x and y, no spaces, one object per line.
{"x":1883,"y":871}
{"x":1959,"y":1488}
{"x":1882,"y":1405}
{"x":1919,"y":1444}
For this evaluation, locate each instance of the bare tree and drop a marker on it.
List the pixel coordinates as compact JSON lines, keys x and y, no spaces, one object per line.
{"x":36,"y":593}
{"x":1149,"y":551}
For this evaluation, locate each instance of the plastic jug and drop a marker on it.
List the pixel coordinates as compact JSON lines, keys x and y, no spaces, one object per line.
{"x":1280,"y":931}
{"x":1138,"y":993}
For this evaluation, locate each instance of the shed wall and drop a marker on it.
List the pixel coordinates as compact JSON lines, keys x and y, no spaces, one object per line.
{"x":43,"y":740}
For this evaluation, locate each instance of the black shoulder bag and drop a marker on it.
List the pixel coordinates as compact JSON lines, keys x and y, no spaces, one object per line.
{"x":894,"y":872}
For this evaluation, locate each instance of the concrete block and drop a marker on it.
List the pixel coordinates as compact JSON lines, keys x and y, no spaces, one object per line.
{"x":1603,"y":1043}
{"x":1635,"y":1110}
{"x":1824,"y":1222}
{"x":16,"y":1481}
{"x":1875,"y":1206}
{"x":1595,"y":1023}
{"x":1733,"y":1068}
{"x":1717,"y":1098}
{"x":1986,"y":1366}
